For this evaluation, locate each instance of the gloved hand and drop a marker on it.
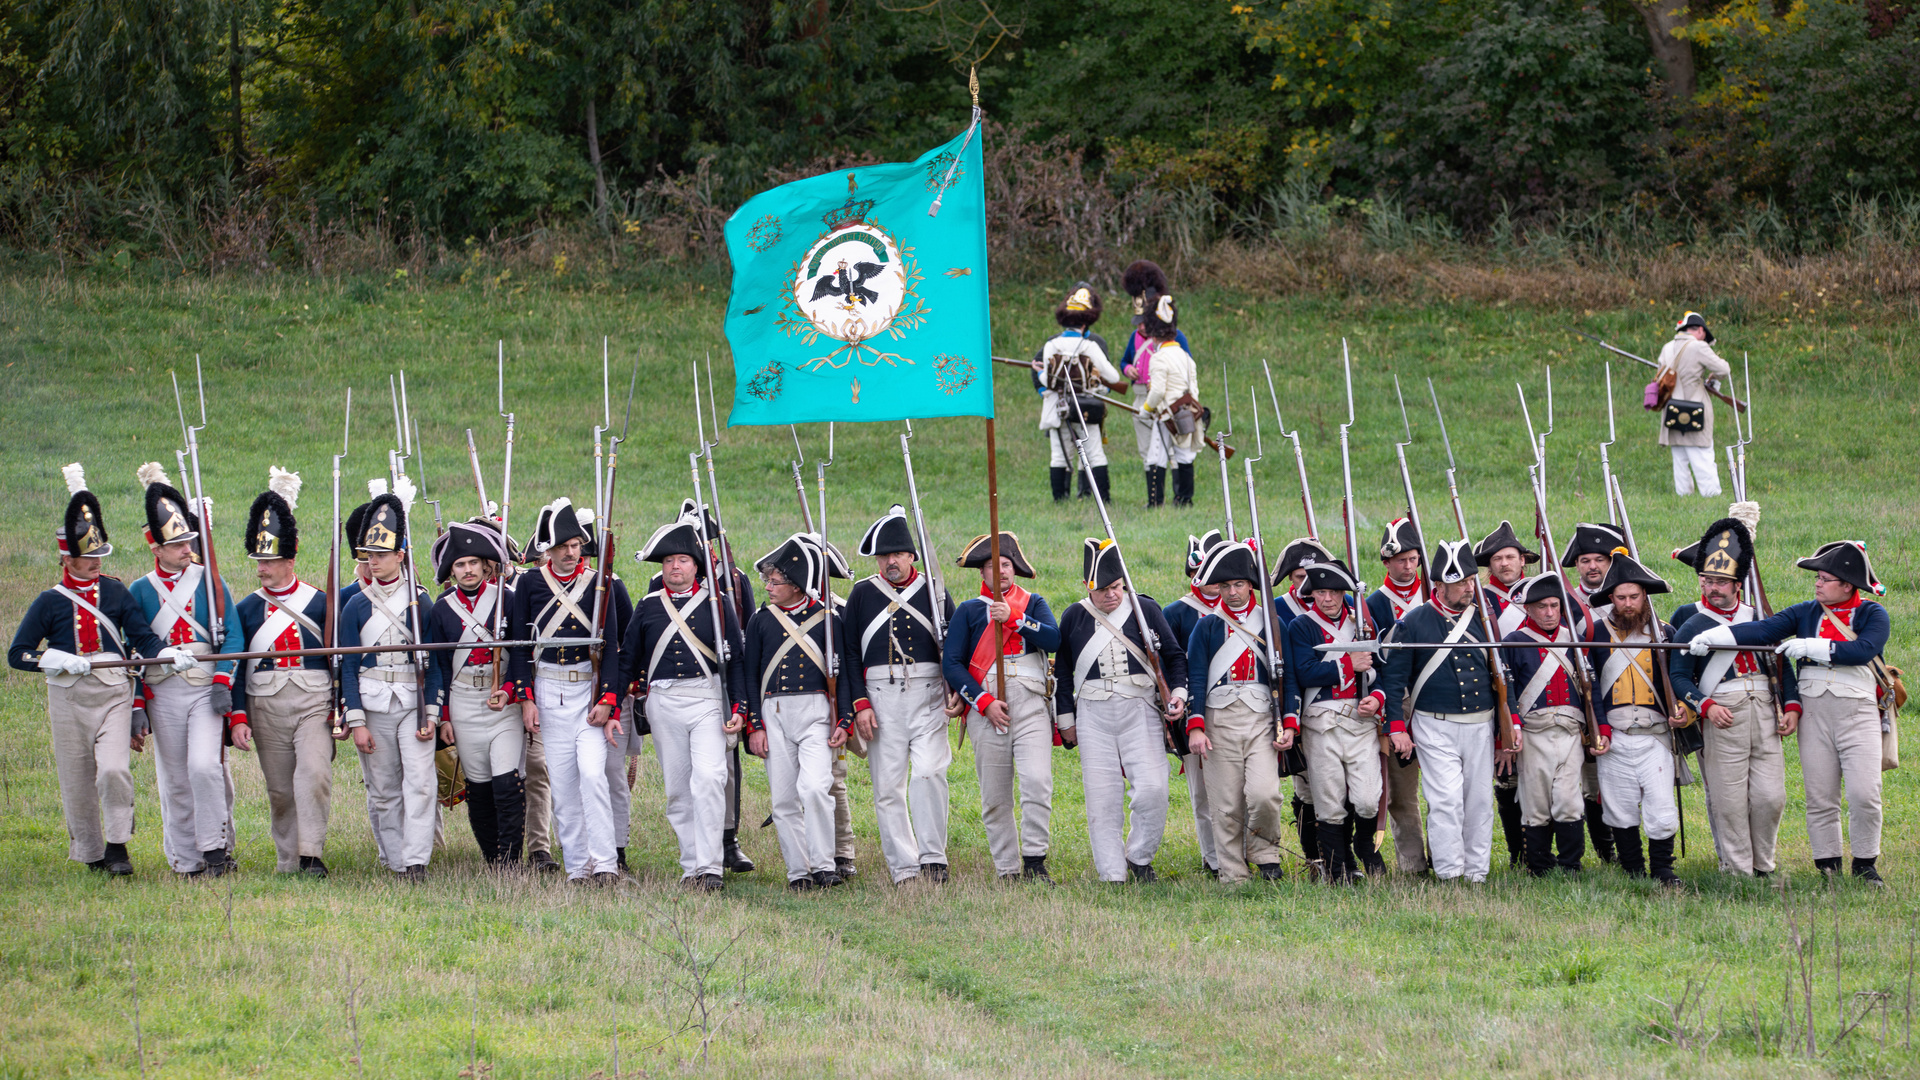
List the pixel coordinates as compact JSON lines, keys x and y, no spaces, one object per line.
{"x":142,"y":727}
{"x":222,"y":700}
{"x":1704,"y":642}
{"x":66,"y":663}
{"x":1819,"y":650}
{"x":182,"y":659}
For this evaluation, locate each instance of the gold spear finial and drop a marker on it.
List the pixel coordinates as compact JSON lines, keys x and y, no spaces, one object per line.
{"x":973,"y":84}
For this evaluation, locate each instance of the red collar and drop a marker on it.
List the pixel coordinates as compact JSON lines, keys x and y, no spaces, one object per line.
{"x":387,"y":584}
{"x":1848,"y":606}
{"x":577,"y":569}
{"x":1405,"y":592}
{"x":1251,"y":604}
{"x":1504,"y":592}
{"x":913,"y":574}
{"x":1717,"y":609}
{"x":1315,"y":608}
{"x":288,"y":591}
{"x":801,"y":606}
{"x":163,"y":575}
{"x":77,"y":585}
{"x":1004,"y":593}
{"x":1211,"y":601}
{"x":1445,"y":610}
{"x":681,"y":595}
{"x":1528,"y":624}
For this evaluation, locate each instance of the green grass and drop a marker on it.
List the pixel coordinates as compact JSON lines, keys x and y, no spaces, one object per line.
{"x":255,"y":974}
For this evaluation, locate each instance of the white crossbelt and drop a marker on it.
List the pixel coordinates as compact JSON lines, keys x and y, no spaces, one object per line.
{"x":171,"y":612}
{"x":701,"y":653}
{"x":473,"y":624}
{"x":99,"y":617}
{"x":388,"y":624}
{"x":1345,"y":632}
{"x":1105,"y":632}
{"x":797,"y":635}
{"x":1618,"y":661}
{"x":897,"y":601}
{"x":1550,"y":665}
{"x":567,"y":600}
{"x":1716,"y":670}
{"x":1242,"y":639}
{"x":1455,"y":635}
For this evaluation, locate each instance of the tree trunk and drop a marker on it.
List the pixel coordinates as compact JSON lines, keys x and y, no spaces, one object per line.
{"x":1675,"y":54}
{"x":233,"y":81}
{"x":599,"y":173}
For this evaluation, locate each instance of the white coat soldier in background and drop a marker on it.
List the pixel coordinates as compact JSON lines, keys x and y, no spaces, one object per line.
{"x":900,"y":699}
{"x":1107,"y":703}
{"x":693,"y":676}
{"x":1636,"y":721}
{"x":1182,"y":616}
{"x":1506,"y":560}
{"x":189,"y":710}
{"x":1337,"y":715}
{"x":90,"y":616}
{"x":481,"y":719}
{"x":1589,"y":554}
{"x":283,"y":708}
{"x":1547,"y":705}
{"x":1231,"y":681}
{"x":1744,"y":724}
{"x":1403,"y":586}
{"x":1847,"y":698}
{"x":1173,"y":397}
{"x":798,"y":715}
{"x":381,"y":693}
{"x":1686,"y":416}
{"x":1441,"y":701}
{"x":1136,"y":363}
{"x":1072,"y":365}
{"x":1015,"y":735}
{"x":1289,"y":603}
{"x":563,"y":696}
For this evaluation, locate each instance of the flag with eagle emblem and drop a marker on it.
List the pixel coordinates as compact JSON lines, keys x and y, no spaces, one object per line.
{"x":862,"y":294}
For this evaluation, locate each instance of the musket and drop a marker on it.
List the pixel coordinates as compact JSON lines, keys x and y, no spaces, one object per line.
{"x":1663,"y":646}
{"x":799,"y":483}
{"x":1503,"y":729}
{"x":1406,"y":483}
{"x":1712,"y":387}
{"x":344,"y":650}
{"x":732,"y":591}
{"x":714,"y":588}
{"x":396,"y":466}
{"x":331,"y":636}
{"x":604,"y":427}
{"x":499,"y":600}
{"x":216,"y":589}
{"x":1226,"y":452}
{"x":605,"y":570}
{"x":926,"y":537}
{"x":1276,"y":665}
{"x":1543,"y":531}
{"x":506,"y":501}
{"x":1299,"y":456}
{"x":439,"y":527}
{"x":1349,"y":513}
{"x":1776,"y":671}
{"x":1226,"y":492}
{"x":1606,"y":465}
{"x":826,"y":581}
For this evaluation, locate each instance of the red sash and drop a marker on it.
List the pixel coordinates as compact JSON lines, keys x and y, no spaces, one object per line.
{"x":982,"y":659}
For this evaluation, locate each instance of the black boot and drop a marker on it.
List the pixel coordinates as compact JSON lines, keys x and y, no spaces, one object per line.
{"x":481,"y":818}
{"x":1100,"y":481}
{"x":1829,"y":868}
{"x":1156,"y":486}
{"x":1537,"y":840}
{"x":1303,"y":821}
{"x":1507,"y":800}
{"x":1334,"y":849}
{"x":116,"y":862}
{"x":1183,"y":484}
{"x":620,"y":860}
{"x":1598,"y":832}
{"x":1566,"y":836}
{"x":509,"y":818}
{"x":1084,"y":485}
{"x":1660,"y":861}
{"x":1142,"y":873}
{"x":1626,"y":847}
{"x":1370,"y":861}
{"x":732,"y":859}
{"x":1062,"y":483}
{"x":1034,"y":868}
{"x":1864,"y":870}
{"x":219,"y":863}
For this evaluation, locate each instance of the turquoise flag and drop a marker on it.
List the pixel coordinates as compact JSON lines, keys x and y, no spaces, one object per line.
{"x":862,"y":294}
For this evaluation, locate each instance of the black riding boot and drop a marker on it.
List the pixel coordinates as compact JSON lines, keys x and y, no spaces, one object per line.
{"x":1183,"y":484}
{"x":1507,"y":801}
{"x":1333,"y":847}
{"x":1598,"y":832}
{"x":509,"y":818}
{"x":1100,"y":481}
{"x":1082,"y":486}
{"x":732,"y":859}
{"x":1626,"y":847}
{"x":1538,"y":842}
{"x":481,"y":815}
{"x":1062,"y":483}
{"x":1303,"y":821}
{"x":1566,"y":836}
{"x":1156,"y":486}
{"x":1865,"y":870}
{"x":1363,"y":830}
{"x":1660,"y":861}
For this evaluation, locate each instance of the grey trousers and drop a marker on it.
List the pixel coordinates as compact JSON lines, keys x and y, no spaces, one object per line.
{"x":190,"y":767}
{"x":1243,"y":788}
{"x":402,"y":783}
{"x":1746,"y":770}
{"x":1026,"y":749}
{"x":1122,"y":745}
{"x":92,"y":724}
{"x":1403,"y":806}
{"x":1343,"y":760}
{"x":1840,"y":740}
{"x":539,"y":797}
{"x":1550,"y":758}
{"x":294,"y":743}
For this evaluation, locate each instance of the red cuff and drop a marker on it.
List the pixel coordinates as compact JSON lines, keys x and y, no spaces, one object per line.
{"x":845,"y":723}
{"x":1291,"y":722}
{"x":1399,"y":726}
{"x":608,"y":699}
{"x":1606,"y":731}
{"x":1380,"y":699}
{"x":1196,"y":721}
{"x":236,"y":717}
{"x":1705,"y":704}
{"x":1793,"y":707}
{"x":980,"y":703}
{"x":861,"y":703}
{"x":223,"y":679}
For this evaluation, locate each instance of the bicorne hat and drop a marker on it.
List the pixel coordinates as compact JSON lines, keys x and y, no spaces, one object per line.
{"x":893,"y":532}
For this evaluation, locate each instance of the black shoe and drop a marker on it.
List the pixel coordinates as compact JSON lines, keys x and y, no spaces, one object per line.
{"x":827,"y":879}
{"x":1864,"y":870}
{"x":219,"y":863}
{"x":1660,"y":862}
{"x":1211,"y":871}
{"x":1142,"y":872}
{"x":1156,"y":486}
{"x":415,"y":874}
{"x":115,"y":862}
{"x":1303,"y":820}
{"x":935,"y":872}
{"x":1183,"y":484}
{"x":1062,"y":483}
{"x":710,"y":883}
{"x":1537,"y":842}
{"x":1829,"y":868}
{"x":1034,"y":868}
{"x":1335,"y":850}
{"x":802,"y":884}
{"x":620,"y":859}
{"x":1567,"y":837}
{"x":1101,"y":481}
{"x":1626,"y":847}
{"x":605,"y":879}
{"x":311,"y":866}
{"x":543,"y":861}
{"x":1507,"y":801}
{"x":845,"y":867}
{"x":732,"y":859}
{"x":1598,"y":832}
{"x":1371,"y":864}
{"x":1270,"y":871}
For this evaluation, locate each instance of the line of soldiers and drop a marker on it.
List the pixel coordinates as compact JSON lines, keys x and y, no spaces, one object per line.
{"x":1245,"y":693}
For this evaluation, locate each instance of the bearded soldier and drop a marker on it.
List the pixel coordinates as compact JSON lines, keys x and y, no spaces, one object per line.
{"x":89,"y":616}
{"x":1328,"y":702}
{"x":1105,"y":701}
{"x":189,"y":710}
{"x":562,"y":694}
{"x":1230,"y":672}
{"x":1549,"y":708}
{"x":1403,"y":587}
{"x":486,"y":724}
{"x":1744,"y":760}
{"x":382,"y":693}
{"x":899,"y":699}
{"x":1182,"y":616}
{"x":1847,"y":695}
{"x":282,"y":707}
{"x":1441,"y":701}
{"x":693,"y":673}
{"x":1636,"y":722}
{"x":1506,"y":560}
{"x":1066,"y":370}
{"x":798,"y":713}
{"x":1015,"y":735}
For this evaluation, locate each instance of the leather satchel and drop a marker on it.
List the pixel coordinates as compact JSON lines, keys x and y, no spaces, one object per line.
{"x":1685,"y":417}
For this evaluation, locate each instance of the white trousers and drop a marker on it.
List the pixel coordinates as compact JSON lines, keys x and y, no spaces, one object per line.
{"x":1026,"y":749}
{"x":1343,"y":761}
{"x":907,"y":759}
{"x":1840,"y":739}
{"x":187,"y":737}
{"x":1122,"y":743}
{"x":1456,"y":776}
{"x":92,"y":755}
{"x":1636,"y":783}
{"x":490,"y":743}
{"x":687,"y":721}
{"x":577,"y":769}
{"x":401,"y":784}
{"x":800,"y":780}
{"x":1065,"y":455}
{"x":1196,"y":769}
{"x":1694,"y":469}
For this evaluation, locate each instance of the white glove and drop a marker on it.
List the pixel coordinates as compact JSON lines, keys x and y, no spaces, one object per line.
{"x":66,"y":663}
{"x":355,"y":718}
{"x":1819,"y":650}
{"x":1707,"y":639}
{"x":182,"y":659}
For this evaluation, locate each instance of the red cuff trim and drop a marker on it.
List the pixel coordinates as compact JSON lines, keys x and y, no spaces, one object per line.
{"x":1380,"y":698}
{"x":1196,"y":722}
{"x":1606,"y":731}
{"x":236,"y":717}
{"x":845,"y":723}
{"x":1397,"y":726}
{"x":1705,"y":704}
{"x":1290,"y":722}
{"x":1793,"y":707}
{"x":861,"y":703}
{"x":980,"y":703}
{"x":609,"y":699}
{"x":224,"y":679}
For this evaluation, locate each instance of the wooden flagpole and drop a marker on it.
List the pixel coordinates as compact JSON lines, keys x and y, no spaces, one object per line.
{"x":993,"y":554}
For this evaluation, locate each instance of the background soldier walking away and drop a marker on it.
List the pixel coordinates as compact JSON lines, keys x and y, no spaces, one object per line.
{"x":1686,"y":416}
{"x":1173,"y":400}
{"x":1068,"y":370}
{"x":1136,"y":363}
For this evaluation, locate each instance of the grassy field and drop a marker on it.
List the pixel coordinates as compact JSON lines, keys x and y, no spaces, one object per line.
{"x":475,"y":976}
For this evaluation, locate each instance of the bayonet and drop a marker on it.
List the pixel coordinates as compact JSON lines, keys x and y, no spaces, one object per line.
{"x":1505,"y":736}
{"x":1606,"y":465}
{"x":216,"y":590}
{"x":1226,"y":491}
{"x":926,"y":538}
{"x":1406,"y":482}
{"x":331,"y":637}
{"x":1299,"y":456}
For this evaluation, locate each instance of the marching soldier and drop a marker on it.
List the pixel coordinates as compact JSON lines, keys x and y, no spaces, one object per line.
{"x":382,"y":692}
{"x":1548,"y":707}
{"x":1173,"y":400}
{"x":1744,"y":759}
{"x":1182,"y":616}
{"x":900,"y":698}
{"x":564,"y":695}
{"x":1636,"y":722}
{"x":843,"y":851}
{"x":1289,"y":575}
{"x":1230,"y":674}
{"x":89,"y":616}
{"x":626,"y":738}
{"x":1838,"y":638}
{"x":1441,"y":701}
{"x":1506,"y":560}
{"x":1403,"y":587}
{"x":797,"y":713}
{"x":1015,"y":735}
{"x":283,"y":708}
{"x":1106,"y":704}
{"x":487,"y":727}
{"x":1070,"y":366}
{"x":1687,"y":420}
{"x":539,"y":784}
{"x":1589,"y":554}
{"x":693,"y":676}
{"x":1338,"y":719}
{"x":189,"y":710}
